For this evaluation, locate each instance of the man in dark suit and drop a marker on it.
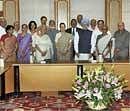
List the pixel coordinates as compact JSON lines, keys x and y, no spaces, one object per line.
{"x":76,"y":35}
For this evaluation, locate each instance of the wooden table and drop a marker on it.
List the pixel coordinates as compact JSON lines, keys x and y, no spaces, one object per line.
{"x":2,"y":81}
{"x":44,"y":77}
{"x":56,"y":77}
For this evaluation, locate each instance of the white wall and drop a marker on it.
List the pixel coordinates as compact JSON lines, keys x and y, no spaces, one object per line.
{"x":89,"y":8}
{"x":126,"y":13}
{"x":1,"y":5}
{"x":34,"y":9}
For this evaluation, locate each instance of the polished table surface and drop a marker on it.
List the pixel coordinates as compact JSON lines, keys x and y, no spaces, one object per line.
{"x":60,"y":76}
{"x":3,"y":70}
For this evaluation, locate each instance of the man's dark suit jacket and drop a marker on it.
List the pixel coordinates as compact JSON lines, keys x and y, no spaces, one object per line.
{"x":69,"y":30}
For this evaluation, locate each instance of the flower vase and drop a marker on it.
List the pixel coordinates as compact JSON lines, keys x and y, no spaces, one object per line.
{"x":98,"y":107}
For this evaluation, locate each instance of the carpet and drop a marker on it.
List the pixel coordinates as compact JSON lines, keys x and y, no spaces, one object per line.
{"x":56,"y":103}
{"x":38,"y":103}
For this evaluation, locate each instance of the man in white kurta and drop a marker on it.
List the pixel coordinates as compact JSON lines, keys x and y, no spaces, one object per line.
{"x":2,"y":26}
{"x":84,"y":42}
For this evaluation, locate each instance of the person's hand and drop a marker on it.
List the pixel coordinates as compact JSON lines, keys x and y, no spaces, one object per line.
{"x":117,"y":50}
{"x":33,"y":49}
{"x":90,"y":55}
{"x":64,"y":52}
{"x":43,"y":53}
{"x":77,"y":54}
{"x":104,"y":55}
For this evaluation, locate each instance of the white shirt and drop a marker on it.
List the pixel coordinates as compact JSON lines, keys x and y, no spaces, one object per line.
{"x":2,"y":31}
{"x":79,"y":26}
{"x":15,"y":33}
{"x":91,"y":29}
{"x":76,"y":40}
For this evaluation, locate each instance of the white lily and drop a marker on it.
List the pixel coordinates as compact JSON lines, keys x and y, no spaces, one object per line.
{"x":98,"y":95}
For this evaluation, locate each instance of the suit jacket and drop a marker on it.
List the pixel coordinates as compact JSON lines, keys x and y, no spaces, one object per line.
{"x":122,"y":43}
{"x":69,"y":30}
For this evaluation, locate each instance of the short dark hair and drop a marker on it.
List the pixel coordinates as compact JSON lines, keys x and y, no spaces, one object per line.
{"x":43,"y":17}
{"x":62,"y":24}
{"x":80,"y":15}
{"x":73,"y":20}
{"x":29,"y":25}
{"x":100,"y":21}
{"x":24,"y":25}
{"x":52,"y":21}
{"x":9,"y":27}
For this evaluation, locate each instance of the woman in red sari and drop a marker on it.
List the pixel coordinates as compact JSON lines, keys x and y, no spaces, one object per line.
{"x":9,"y":45}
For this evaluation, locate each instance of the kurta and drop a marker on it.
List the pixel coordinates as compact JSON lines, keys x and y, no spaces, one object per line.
{"x":84,"y":45}
{"x":52,"y":34}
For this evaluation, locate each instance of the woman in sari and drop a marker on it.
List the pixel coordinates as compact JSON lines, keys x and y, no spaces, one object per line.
{"x":63,"y":42}
{"x":24,"y":40}
{"x":9,"y":45}
{"x":103,"y":44}
{"x":43,"y":45}
{"x":32,"y":27}
{"x":32,"y":30}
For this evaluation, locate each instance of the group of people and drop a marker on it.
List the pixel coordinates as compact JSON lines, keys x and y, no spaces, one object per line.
{"x":84,"y":40}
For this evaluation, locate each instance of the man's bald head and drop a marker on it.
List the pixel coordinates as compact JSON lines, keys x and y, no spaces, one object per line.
{"x":16,"y":25}
{"x":3,"y":22}
{"x":121,"y":26}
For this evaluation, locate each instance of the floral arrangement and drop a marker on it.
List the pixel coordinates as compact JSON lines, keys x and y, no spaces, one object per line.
{"x":99,"y":86}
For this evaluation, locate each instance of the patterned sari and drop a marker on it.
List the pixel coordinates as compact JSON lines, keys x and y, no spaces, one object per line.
{"x":24,"y":48}
{"x":8,"y":50}
{"x":102,"y":44}
{"x":63,"y":45}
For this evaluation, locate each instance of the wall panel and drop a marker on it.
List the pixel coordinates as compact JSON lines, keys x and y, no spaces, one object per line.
{"x":29,"y":11}
{"x":34,"y":9}
{"x":89,"y":8}
{"x":126,"y":13}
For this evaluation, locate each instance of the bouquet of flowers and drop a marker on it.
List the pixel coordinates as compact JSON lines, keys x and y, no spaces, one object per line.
{"x":99,"y":86}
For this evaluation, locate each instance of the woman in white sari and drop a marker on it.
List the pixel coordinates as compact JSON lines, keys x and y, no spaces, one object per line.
{"x":43,"y":45}
{"x":103,"y":44}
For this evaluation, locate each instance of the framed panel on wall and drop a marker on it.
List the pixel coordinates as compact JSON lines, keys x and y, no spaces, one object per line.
{"x":113,"y":13}
{"x":11,"y":10}
{"x":1,"y":8}
{"x":62,"y":12}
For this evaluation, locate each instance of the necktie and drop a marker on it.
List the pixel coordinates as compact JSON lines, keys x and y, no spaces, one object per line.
{"x":73,"y":33}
